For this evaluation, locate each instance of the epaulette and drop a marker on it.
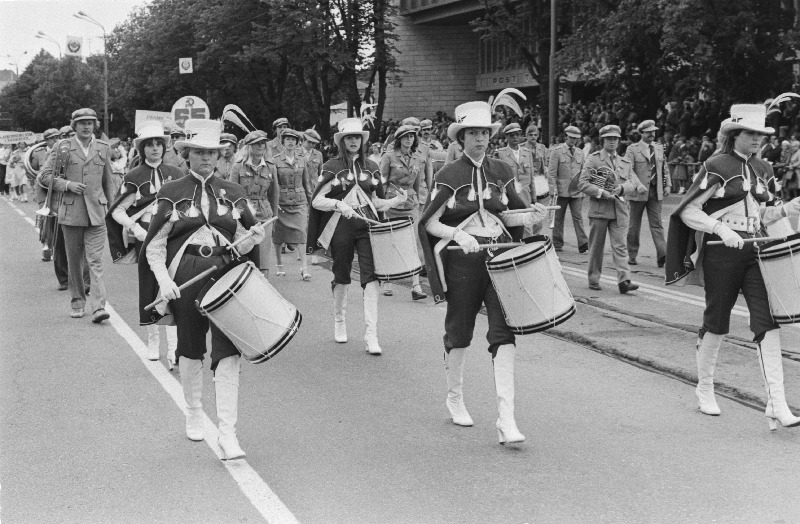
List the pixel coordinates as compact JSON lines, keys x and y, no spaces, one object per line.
{"x":104,"y":142}
{"x":623,"y":159}
{"x":595,"y":153}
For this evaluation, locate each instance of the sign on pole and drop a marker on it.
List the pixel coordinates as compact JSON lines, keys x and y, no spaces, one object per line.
{"x":185,"y":66}
{"x":74,"y":46}
{"x":189,"y":107}
{"x":15,"y":137}
{"x":143,"y":116}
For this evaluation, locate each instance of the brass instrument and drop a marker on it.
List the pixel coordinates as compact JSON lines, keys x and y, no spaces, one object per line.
{"x":604,"y":178}
{"x":59,"y":169}
{"x":29,"y":170}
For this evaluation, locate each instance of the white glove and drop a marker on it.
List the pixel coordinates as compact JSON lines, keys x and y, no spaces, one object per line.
{"x":401,"y":197}
{"x":139,"y":232}
{"x":345,"y":210}
{"x":606,"y":195}
{"x":259,"y":234}
{"x":169,"y":289}
{"x":792,"y":207}
{"x":730,"y":237}
{"x":467,"y":242}
{"x":536,"y":216}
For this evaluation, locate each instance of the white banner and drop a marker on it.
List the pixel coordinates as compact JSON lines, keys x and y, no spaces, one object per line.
{"x":143,"y":116}
{"x":74,"y":46}
{"x":15,"y":137}
{"x":189,"y":107}
{"x":185,"y":66}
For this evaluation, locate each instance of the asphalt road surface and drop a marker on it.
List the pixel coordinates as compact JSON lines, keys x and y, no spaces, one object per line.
{"x":92,"y":432}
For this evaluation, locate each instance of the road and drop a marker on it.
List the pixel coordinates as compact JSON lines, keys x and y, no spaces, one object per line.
{"x":92,"y":432}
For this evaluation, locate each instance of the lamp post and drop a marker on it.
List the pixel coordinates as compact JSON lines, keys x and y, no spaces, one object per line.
{"x":83,"y":16}
{"x":15,"y":61}
{"x":43,"y":36}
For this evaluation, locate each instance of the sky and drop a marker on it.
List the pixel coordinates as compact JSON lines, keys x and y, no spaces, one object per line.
{"x":21,"y":20}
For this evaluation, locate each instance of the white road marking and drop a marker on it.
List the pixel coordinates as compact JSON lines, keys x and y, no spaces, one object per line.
{"x":250,"y":482}
{"x":19,"y":211}
{"x":32,"y":222}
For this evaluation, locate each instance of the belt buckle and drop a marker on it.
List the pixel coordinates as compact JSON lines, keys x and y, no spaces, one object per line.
{"x":490,"y":251}
{"x":210,"y":251}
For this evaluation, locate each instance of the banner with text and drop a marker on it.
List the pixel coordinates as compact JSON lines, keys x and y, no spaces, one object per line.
{"x":143,"y":116}
{"x":15,"y":137}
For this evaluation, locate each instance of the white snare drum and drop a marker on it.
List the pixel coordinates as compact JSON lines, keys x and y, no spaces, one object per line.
{"x":531,"y":287}
{"x":780,"y":267}
{"x":541,"y":186}
{"x":249,"y":311}
{"x":394,"y":249}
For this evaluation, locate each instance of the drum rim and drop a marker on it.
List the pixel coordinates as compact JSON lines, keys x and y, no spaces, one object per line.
{"x":287,"y":337}
{"x":391,"y":225}
{"x":228,"y":293}
{"x":388,"y":277}
{"x":496,"y":265}
{"x":776,"y":243}
{"x":541,"y":326}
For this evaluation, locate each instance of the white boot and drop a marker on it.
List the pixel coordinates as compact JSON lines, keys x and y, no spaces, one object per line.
{"x":226,"y":385}
{"x":769,"y":353}
{"x":454,"y":369}
{"x":172,"y":345}
{"x":153,"y":342}
{"x":707,"y":350}
{"x":339,"y":313}
{"x":192,"y":382}
{"x":371,"y":318}
{"x":504,"y":384}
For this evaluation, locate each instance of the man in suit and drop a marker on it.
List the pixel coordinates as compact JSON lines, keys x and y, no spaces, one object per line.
{"x":608,"y":211}
{"x":647,"y":158}
{"x":565,"y":164}
{"x":87,"y":188}
{"x":522,"y":164}
{"x":275,"y":146}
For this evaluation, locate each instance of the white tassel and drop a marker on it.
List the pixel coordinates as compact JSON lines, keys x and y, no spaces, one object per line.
{"x":152,"y":189}
{"x":504,"y":199}
{"x":351,"y":175}
{"x":138,"y":195}
{"x":487,"y":193}
{"x":193,"y":212}
{"x":235,"y":214}
{"x":221,"y":209}
{"x":175,"y":216}
{"x":746,"y":183}
{"x":434,"y":192}
{"x":363,"y":176}
{"x":704,"y":182}
{"x":335,"y":181}
{"x":320,"y":179}
{"x":374,"y":181}
{"x":451,"y":203}
{"x":471,"y":194}
{"x":759,"y":187}
{"x":778,"y":185}
{"x":383,"y":179}
{"x":719,"y":193}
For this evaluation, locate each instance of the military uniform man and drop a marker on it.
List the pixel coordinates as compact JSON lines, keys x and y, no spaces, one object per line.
{"x":38,"y":159}
{"x":312,"y":156}
{"x":540,"y":159}
{"x":275,"y":146}
{"x":521,"y":161}
{"x":171,"y":156}
{"x":564,"y":165}
{"x":225,"y":162}
{"x":87,"y":188}
{"x":608,"y":211}
{"x":647,"y":158}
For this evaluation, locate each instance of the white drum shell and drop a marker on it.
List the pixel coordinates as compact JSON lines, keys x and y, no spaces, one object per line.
{"x":531,"y":287}
{"x":780,"y":267}
{"x":251,"y":313}
{"x":394,"y":249}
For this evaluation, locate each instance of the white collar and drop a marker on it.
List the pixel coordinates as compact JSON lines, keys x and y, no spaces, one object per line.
{"x":251,"y":164}
{"x":476,"y":163}
{"x":742,"y":156}
{"x":154,"y":166}
{"x":199,"y":177}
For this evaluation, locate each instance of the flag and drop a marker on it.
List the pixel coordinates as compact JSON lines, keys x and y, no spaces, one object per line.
{"x":185,"y":66}
{"x":74,"y":46}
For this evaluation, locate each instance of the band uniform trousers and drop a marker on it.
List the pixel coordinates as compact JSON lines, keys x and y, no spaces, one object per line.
{"x":726,"y":271}
{"x":637,"y":208}
{"x":576,"y":210}
{"x":468,"y":287}
{"x":351,"y":236}
{"x":84,"y":244}
{"x":597,"y":244}
{"x":192,"y":325}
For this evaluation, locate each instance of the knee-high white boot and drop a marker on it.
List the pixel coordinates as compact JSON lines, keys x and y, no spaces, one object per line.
{"x":769,"y":356}
{"x":192,"y":382}
{"x":707,"y":350}
{"x":454,"y":369}
{"x":371,"y":318}
{"x":153,"y":342}
{"x":226,"y":385}
{"x":172,"y":345}
{"x":504,"y":384}
{"x":339,"y":313}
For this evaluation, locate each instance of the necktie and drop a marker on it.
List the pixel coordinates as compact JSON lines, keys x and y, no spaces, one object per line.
{"x":653,"y":171}
{"x":571,"y":151}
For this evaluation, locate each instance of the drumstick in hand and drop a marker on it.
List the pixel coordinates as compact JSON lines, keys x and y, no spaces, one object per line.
{"x":365,"y":219}
{"x":250,"y":233}
{"x":183,"y":286}
{"x":529,"y":210}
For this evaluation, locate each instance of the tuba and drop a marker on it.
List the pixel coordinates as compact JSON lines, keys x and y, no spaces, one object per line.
{"x":62,"y":158}
{"x":29,"y":170}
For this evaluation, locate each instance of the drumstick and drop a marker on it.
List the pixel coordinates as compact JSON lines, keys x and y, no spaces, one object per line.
{"x":365,"y":219}
{"x":183,"y":286}
{"x":748,"y":240}
{"x":251,"y":232}
{"x":529,"y":210}
{"x":491,"y":246}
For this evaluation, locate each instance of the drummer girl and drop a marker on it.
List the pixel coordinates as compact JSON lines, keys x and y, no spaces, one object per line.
{"x":350,"y":187}
{"x":197,"y":217}
{"x":134,"y":209}
{"x":404,"y":168}
{"x":466,"y":206}
{"x":724,"y":203}
{"x":295,"y":194}
{"x":258,"y":176}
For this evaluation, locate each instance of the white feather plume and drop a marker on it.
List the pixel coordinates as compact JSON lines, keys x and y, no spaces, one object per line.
{"x":504,"y":98}
{"x":772,"y":106}
{"x":368,"y":119}
{"x":230,"y":116}
{"x":237,"y":109}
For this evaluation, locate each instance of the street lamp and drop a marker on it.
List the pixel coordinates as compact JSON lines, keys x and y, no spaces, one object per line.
{"x":15,"y":61}
{"x":43,"y":36}
{"x":83,"y":16}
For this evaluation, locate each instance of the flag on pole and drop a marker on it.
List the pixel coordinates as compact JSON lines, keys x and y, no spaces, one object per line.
{"x":185,"y":66}
{"x":74,"y":46}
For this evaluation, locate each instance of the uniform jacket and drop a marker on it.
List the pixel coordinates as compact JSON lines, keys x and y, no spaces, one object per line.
{"x":260,"y":184}
{"x":174,"y":158}
{"x":293,"y":183}
{"x":602,"y":207}
{"x":313,"y":164}
{"x":38,"y":159}
{"x":224,"y":166}
{"x":562,"y":167}
{"x":94,"y":170}
{"x":274,"y":147}
{"x":397,"y":171}
{"x":522,"y":169}
{"x":639,"y":155}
